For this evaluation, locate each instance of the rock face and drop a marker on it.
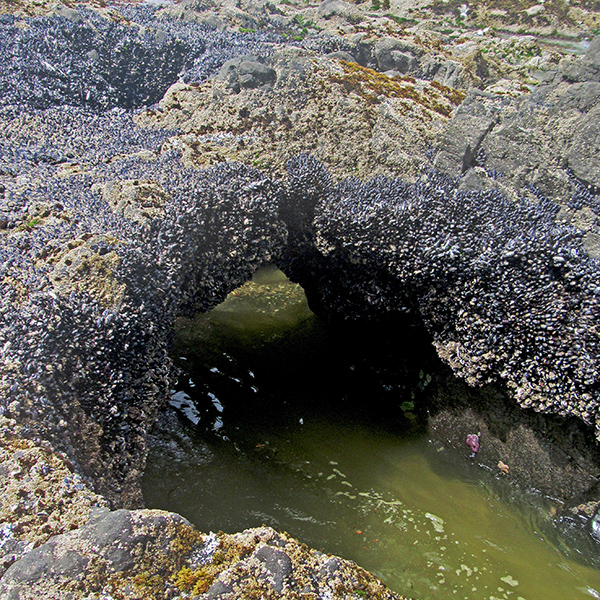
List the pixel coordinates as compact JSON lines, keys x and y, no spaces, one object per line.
{"x":297,"y":102}
{"x":482,"y":225}
{"x":153,"y":554}
{"x":529,"y":140}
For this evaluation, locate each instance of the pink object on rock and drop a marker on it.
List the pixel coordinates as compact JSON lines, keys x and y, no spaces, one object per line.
{"x":473,"y":442}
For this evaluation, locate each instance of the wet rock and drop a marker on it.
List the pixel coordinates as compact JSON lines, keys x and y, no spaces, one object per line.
{"x":265,"y":562}
{"x":150,"y":554}
{"x":402,"y":225}
{"x":117,"y":543}
{"x":92,"y":279}
{"x":551,"y":455}
{"x":277,"y":563}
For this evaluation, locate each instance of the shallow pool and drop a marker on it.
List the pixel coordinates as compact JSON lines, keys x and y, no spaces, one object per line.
{"x":281,"y":420}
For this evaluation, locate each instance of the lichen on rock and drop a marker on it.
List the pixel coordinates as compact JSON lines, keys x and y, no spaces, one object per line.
{"x":152,"y":554}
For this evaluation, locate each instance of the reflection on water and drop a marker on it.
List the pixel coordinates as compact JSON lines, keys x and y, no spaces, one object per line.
{"x":279,"y":422}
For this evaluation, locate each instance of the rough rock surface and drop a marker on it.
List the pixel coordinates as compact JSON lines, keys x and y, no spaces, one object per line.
{"x":42,"y":496}
{"x":149,"y":554}
{"x":109,"y":229}
{"x":310,"y":104}
{"x":531,"y":139}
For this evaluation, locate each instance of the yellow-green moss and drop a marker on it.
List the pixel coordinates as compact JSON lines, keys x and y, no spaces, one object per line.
{"x":185,"y":539}
{"x":372,"y":86}
{"x":196,"y":581}
{"x":147,"y":580}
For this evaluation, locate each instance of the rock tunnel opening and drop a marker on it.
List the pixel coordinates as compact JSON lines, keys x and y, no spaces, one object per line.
{"x":263,"y":340}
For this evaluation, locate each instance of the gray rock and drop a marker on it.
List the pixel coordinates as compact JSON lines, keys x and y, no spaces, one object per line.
{"x":217,"y":590}
{"x":592,"y":56}
{"x":591,"y":243}
{"x":330,"y":568}
{"x":11,"y":547}
{"x":69,"y":14}
{"x":451,"y":74}
{"x":254,"y":74}
{"x":584,"y":154}
{"x":581,"y":69}
{"x":341,"y":55}
{"x":403,"y":61}
{"x":398,"y":55}
{"x":277,"y":563}
{"x":475,"y":179}
{"x":580,"y":96}
{"x":528,"y":140}
{"x":215,"y":22}
{"x":461,"y":141}
{"x":246,"y":72}
{"x":337,"y":8}
{"x":115,"y":542}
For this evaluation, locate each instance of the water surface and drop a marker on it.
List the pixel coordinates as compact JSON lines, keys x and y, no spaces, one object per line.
{"x":281,"y":420}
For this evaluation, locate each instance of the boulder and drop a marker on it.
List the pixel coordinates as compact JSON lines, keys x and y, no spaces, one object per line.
{"x":338,"y":8}
{"x":397,"y":55}
{"x":246,"y":73}
{"x":113,"y":546}
{"x":153,"y":554}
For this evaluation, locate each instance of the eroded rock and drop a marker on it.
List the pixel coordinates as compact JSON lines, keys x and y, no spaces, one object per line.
{"x":152,"y":554}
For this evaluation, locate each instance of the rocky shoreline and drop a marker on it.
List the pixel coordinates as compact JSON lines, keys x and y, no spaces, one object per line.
{"x":481,"y":224}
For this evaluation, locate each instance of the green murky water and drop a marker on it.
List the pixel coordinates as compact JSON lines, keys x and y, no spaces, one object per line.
{"x":280,"y":421}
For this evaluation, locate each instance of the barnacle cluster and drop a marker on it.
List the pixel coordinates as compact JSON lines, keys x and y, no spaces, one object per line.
{"x":89,"y":296}
{"x":106,"y":237}
{"x":101,"y":63}
{"x":89,"y":290}
{"x":508,"y":295}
